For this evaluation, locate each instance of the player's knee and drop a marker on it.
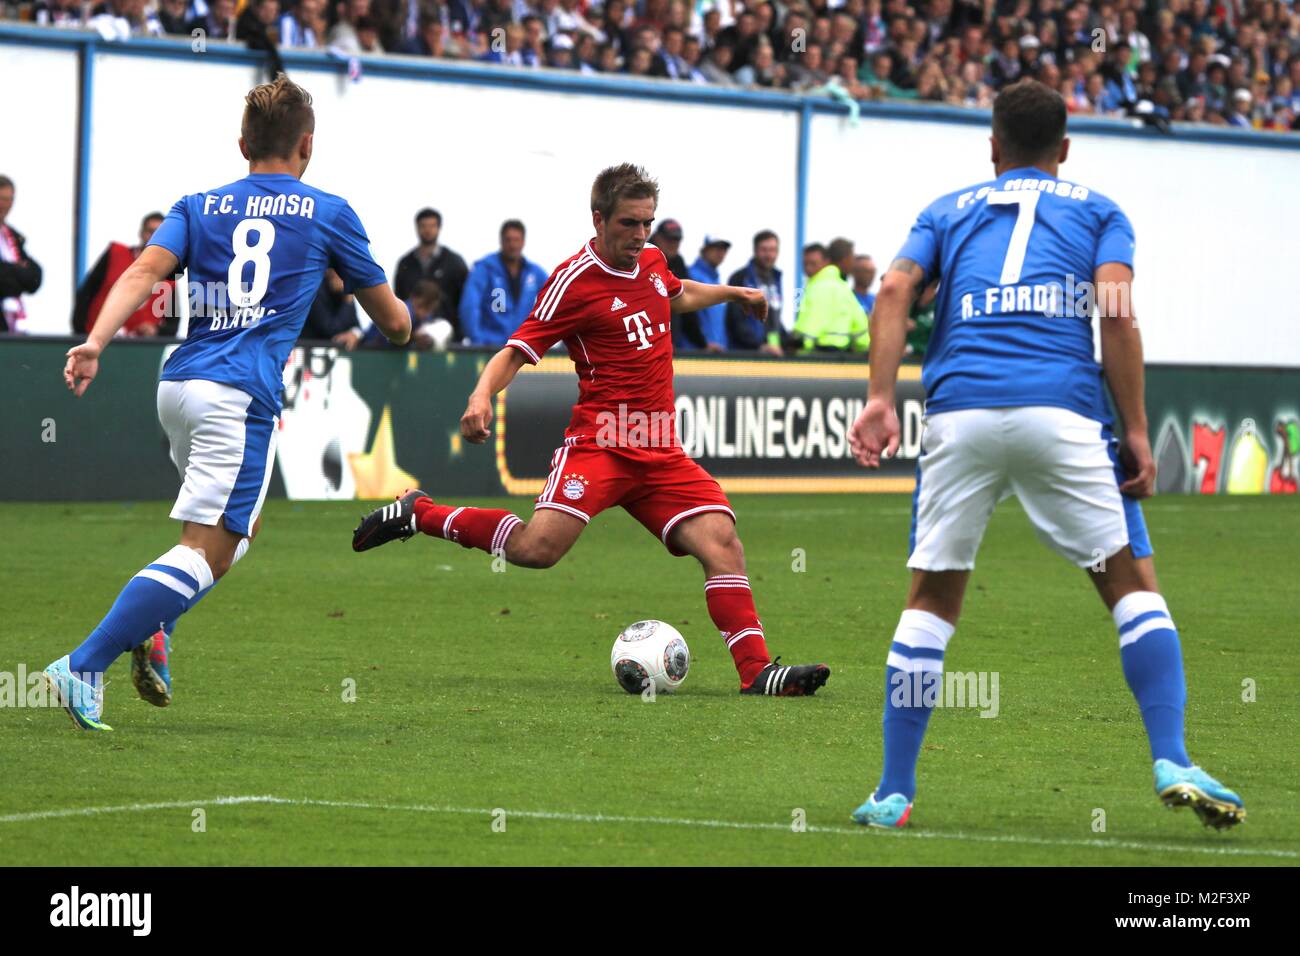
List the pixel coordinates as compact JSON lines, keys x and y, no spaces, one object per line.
{"x":218,"y":565}
{"x":723,"y":552}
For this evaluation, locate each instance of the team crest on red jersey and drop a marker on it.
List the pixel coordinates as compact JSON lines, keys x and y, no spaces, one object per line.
{"x":574,"y":486}
{"x":659,"y":284}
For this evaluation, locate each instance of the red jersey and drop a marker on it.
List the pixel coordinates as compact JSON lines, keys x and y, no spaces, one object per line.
{"x":618,"y":329}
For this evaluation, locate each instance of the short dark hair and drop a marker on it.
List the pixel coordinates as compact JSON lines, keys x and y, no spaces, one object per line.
{"x":839,"y":248}
{"x":616,"y":183}
{"x":426,"y":290}
{"x":5,"y":181}
{"x":512,"y":224}
{"x":428,"y":212}
{"x":763,"y":235}
{"x":816,"y":247}
{"x":145,"y":220}
{"x":1028,"y":121}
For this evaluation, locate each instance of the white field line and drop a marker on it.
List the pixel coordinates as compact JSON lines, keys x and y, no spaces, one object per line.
{"x":1100,"y":844}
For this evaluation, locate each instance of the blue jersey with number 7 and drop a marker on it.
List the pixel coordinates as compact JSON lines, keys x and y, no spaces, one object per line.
{"x":256,"y":251}
{"x":1015,"y":259}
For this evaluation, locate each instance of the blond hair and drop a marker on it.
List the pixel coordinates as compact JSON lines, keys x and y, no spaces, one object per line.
{"x":276,"y":115}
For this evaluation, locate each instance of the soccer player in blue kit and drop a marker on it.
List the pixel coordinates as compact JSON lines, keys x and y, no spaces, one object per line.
{"x":256,"y":250}
{"x":1016,"y":405}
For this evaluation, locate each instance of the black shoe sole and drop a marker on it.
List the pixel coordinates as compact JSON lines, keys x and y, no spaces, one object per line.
{"x":376,"y":530}
{"x":806,"y":685}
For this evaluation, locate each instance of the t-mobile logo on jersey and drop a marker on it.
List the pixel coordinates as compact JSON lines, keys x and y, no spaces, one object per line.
{"x":644,"y":329}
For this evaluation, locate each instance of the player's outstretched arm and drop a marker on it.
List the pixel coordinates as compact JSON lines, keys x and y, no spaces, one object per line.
{"x":387,"y":312}
{"x":132,"y":288}
{"x":700,"y":295}
{"x":500,"y":371}
{"x":875,"y":433}
{"x":1121,"y":361}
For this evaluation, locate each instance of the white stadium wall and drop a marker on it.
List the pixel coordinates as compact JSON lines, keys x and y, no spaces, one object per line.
{"x":480,"y":155}
{"x":40,"y":156}
{"x":1216,"y":225}
{"x":1211,"y":218}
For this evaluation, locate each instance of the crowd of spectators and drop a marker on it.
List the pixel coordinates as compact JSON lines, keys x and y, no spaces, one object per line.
{"x":481,"y":305}
{"x":1226,"y":62}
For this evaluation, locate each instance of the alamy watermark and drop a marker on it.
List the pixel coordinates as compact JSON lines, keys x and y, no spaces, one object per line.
{"x":24,"y":688}
{"x":946,"y":689}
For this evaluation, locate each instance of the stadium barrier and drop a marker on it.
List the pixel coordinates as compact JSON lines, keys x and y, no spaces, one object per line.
{"x":370,"y":424}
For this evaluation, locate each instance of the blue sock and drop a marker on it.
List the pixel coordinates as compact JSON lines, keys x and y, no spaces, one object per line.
{"x":913,"y":676}
{"x":241,"y":549}
{"x":156,"y":596}
{"x":1153,"y":667}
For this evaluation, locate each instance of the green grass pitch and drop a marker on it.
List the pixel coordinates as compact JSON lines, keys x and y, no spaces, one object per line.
{"x":477,"y":691}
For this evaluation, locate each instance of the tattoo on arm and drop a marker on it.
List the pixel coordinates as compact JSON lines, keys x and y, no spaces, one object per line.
{"x":911,"y":270}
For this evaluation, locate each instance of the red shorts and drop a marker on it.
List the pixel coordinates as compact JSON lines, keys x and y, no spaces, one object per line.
{"x":658,"y":487}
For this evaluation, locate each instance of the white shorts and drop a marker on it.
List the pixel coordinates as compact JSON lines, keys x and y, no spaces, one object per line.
{"x":1059,"y":464}
{"x":223,"y":445}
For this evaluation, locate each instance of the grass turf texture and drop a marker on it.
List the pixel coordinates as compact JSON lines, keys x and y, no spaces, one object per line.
{"x":483,"y":690}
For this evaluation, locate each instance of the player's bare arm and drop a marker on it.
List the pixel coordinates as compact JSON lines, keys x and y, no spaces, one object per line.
{"x":699,"y":295}
{"x":1121,"y":361}
{"x":875,"y":433}
{"x":387,"y":311}
{"x":500,"y":371}
{"x":129,"y":293}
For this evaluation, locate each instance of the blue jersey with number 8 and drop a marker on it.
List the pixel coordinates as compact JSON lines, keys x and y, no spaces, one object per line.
{"x":1015,"y":259}
{"x":256,"y":251}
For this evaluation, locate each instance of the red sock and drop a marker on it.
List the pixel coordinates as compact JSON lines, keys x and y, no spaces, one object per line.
{"x":731,"y":605}
{"x":484,"y":528}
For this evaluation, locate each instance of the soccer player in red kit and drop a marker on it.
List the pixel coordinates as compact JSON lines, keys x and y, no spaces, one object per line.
{"x":611,"y":304}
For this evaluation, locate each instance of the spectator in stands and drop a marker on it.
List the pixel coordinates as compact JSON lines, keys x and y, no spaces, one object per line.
{"x":532,"y":48}
{"x":669,"y":61}
{"x":500,"y":291}
{"x":713,"y":320}
{"x":691,"y":56}
{"x":686,"y":325}
{"x":759,"y":70}
{"x":345,"y":35}
{"x":506,"y":46}
{"x":716,"y":66}
{"x":425,"y":306}
{"x":304,"y":25}
{"x":122,"y":19}
{"x":568,"y":17}
{"x":58,"y":13}
{"x":1240,"y":116}
{"x":864,"y":276}
{"x":255,"y":27}
{"x":830,"y":317}
{"x":333,"y":316}
{"x":559,"y":53}
{"x":217,"y":22}
{"x":814,"y":260}
{"x":19,"y":273}
{"x":158,"y":315}
{"x":955,"y":51}
{"x":433,"y":261}
{"x":747,"y":332}
{"x":174,"y":16}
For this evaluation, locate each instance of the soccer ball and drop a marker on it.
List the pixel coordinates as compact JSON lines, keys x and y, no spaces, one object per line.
{"x":650,"y":652}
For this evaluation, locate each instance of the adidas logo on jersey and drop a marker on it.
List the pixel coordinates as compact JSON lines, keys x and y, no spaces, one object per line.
{"x":618,"y":304}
